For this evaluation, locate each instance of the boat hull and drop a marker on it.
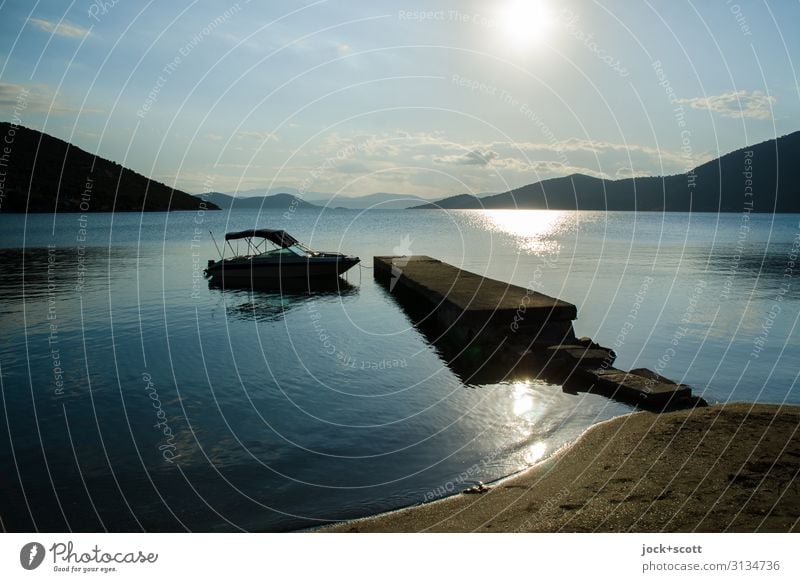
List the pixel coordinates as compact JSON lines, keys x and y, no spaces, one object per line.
{"x":252,"y":270}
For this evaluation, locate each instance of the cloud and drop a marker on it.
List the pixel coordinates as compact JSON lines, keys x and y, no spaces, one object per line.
{"x":62,"y":28}
{"x":35,"y":98}
{"x":471,"y":158}
{"x":12,"y":94}
{"x":736,"y":104}
{"x":479,"y":158}
{"x":257,"y":135}
{"x":87,"y":134}
{"x":248,"y":135}
{"x":575,"y":144}
{"x":239,"y":166}
{"x":627,"y":172}
{"x":360,"y":145}
{"x":543,"y":169}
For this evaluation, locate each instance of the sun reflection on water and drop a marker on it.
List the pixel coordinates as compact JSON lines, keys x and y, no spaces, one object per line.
{"x":525,"y":409}
{"x":535,"y":452}
{"x":523,"y":399}
{"x":535,"y":230}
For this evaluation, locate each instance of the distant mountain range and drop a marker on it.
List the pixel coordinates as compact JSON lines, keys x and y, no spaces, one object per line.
{"x":377,"y":201}
{"x":762,"y":178}
{"x":281,"y":201}
{"x":282,"y":197}
{"x":41,"y":173}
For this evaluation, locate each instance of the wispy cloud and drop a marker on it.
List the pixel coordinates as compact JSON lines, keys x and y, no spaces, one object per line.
{"x":11,"y":94}
{"x":736,"y":104}
{"x":257,"y":135}
{"x":470,"y":158}
{"x":536,"y":170}
{"x":62,"y":28}
{"x":36,"y":98}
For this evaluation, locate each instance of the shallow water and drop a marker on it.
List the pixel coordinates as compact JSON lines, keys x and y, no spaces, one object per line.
{"x":135,"y":396}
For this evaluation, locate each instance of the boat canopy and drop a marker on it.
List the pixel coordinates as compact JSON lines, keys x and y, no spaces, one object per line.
{"x":279,"y":237}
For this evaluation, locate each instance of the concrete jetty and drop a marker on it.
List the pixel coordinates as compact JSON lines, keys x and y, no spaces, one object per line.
{"x":481,"y":324}
{"x":475,"y":307}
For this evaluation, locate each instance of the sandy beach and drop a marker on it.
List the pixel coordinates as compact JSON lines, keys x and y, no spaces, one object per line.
{"x":724,"y":468}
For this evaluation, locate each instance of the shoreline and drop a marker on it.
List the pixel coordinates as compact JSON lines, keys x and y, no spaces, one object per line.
{"x":726,"y":467}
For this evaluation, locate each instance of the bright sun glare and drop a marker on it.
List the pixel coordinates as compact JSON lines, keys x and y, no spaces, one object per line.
{"x":525,"y":22}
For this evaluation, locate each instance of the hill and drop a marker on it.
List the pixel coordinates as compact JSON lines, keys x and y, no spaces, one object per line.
{"x":763,"y":178}
{"x":45,"y":174}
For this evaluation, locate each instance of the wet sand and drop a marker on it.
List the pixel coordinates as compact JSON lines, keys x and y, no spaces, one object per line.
{"x":724,"y":468}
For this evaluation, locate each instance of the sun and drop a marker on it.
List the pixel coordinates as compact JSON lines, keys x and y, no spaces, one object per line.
{"x":524,"y":23}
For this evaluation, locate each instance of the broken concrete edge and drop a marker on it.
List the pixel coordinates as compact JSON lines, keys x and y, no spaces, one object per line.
{"x":590,"y":369}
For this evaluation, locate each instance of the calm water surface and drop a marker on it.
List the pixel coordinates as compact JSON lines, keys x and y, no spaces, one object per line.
{"x":136,"y":397}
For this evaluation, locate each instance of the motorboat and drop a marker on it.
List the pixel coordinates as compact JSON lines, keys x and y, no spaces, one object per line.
{"x":274,"y":256}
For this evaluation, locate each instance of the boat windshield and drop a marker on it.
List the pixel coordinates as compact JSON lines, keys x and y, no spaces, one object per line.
{"x":300,"y":250}
{"x":296,"y":250}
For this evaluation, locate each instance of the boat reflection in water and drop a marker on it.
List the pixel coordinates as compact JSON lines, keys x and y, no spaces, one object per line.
{"x":271,"y":300}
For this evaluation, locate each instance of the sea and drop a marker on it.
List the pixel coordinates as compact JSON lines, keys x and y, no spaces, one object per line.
{"x":136,"y":396}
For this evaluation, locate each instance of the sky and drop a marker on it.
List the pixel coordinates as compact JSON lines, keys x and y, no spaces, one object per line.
{"x":430,"y":98}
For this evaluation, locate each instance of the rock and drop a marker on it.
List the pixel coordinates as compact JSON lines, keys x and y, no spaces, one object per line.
{"x":479,"y":488}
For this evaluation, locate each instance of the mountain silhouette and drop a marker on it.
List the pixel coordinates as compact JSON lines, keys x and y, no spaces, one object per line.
{"x":41,"y":173}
